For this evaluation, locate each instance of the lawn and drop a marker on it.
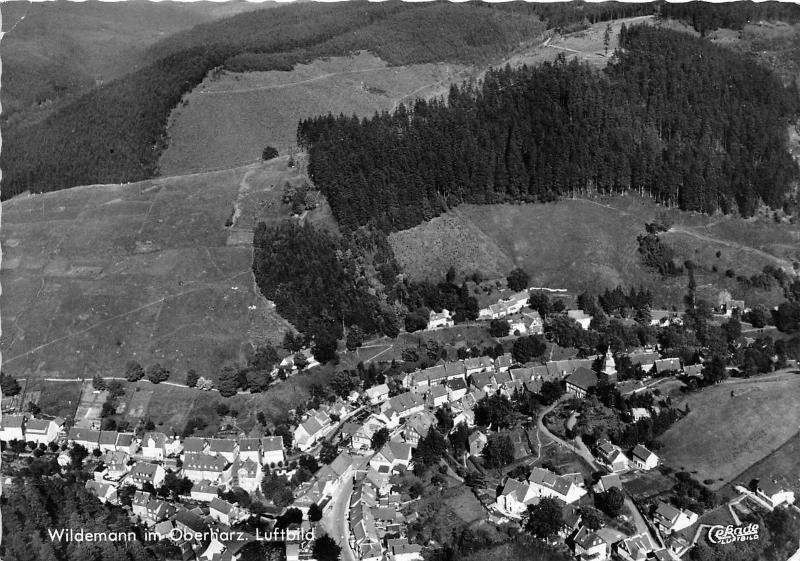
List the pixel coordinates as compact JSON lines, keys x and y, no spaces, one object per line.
{"x":648,"y":485}
{"x":96,"y":276}
{"x":227,"y":121}
{"x":59,"y":399}
{"x":724,"y":435}
{"x":783,"y":465}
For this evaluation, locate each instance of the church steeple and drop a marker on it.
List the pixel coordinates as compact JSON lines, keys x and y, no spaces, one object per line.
{"x":609,"y":366}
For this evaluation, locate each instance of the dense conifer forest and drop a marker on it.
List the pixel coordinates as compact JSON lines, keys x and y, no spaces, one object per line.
{"x":689,"y":123}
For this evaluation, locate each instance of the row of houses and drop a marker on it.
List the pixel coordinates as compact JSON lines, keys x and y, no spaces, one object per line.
{"x":27,"y":428}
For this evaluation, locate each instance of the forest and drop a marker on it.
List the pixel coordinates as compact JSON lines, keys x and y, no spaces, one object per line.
{"x":687,"y":122}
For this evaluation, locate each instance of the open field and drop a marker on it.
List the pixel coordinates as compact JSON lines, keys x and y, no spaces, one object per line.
{"x":227,"y":121}
{"x":783,"y":465}
{"x":580,"y":243}
{"x":725,"y":434}
{"x":99,"y":275}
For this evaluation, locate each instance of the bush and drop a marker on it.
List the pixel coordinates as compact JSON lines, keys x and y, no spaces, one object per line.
{"x":134,"y":371}
{"x":269,"y":153}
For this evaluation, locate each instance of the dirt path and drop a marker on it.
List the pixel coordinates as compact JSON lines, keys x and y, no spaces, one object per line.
{"x":734,"y":245}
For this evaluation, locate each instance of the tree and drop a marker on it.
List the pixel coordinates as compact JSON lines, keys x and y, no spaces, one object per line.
{"x":257,"y":380}
{"x":499,"y":328}
{"x":379,"y":438}
{"x":300,"y":361}
{"x":607,"y":38}
{"x":293,"y":343}
{"x":714,"y":370}
{"x":264,"y":358}
{"x":277,"y":489}
{"x":314,"y":513}
{"x":325,"y":549}
{"x":228,"y":382}
{"x":191,"y":378}
{"x":98,"y":382}
{"x":610,"y":502}
{"x":518,"y":280}
{"x":592,"y":518}
{"x":431,"y":447}
{"x":269,"y":153}
{"x":539,"y":302}
{"x":544,"y":518}
{"x":133,"y":371}
{"x":324,"y":348}
{"x":527,"y":348}
{"x":499,"y":451}
{"x":76,"y":455}
{"x":355,"y":338}
{"x":550,"y":391}
{"x":328,"y":452}
{"x":493,"y":411}
{"x":157,"y":373}
{"x":415,"y":321}
{"x":9,"y":385}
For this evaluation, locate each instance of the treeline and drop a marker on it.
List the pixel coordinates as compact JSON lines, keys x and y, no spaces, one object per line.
{"x":318,"y":283}
{"x":707,"y":16}
{"x":692,"y":124}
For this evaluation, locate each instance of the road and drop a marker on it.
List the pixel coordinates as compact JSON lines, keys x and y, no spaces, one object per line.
{"x":581,"y":450}
{"x":335,"y":517}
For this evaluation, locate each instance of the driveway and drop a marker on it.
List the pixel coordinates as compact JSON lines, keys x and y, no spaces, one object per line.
{"x":335,"y":519}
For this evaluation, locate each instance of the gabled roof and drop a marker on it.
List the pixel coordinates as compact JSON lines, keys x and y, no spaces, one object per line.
{"x":341,"y":464}
{"x":587,"y":539}
{"x":610,"y":480}
{"x":434,"y":373}
{"x":559,"y":484}
{"x":457,"y":384}
{"x":159,"y":439}
{"x":667,"y":512}
{"x":84,"y":435}
{"x":204,"y":462}
{"x":377,"y":391}
{"x":503,"y":361}
{"x":524,"y":374}
{"x":272,"y":443}
{"x":16,"y":421}
{"x":515,"y":489}
{"x":437,"y":391}
{"x":108,"y":437}
{"x":144,"y":470}
{"x":249,"y":445}
{"x":221,"y":445}
{"x":476,"y":436}
{"x":482,"y":379}
{"x":667,"y":364}
{"x":34,"y":425}
{"x":769,"y":487}
{"x":311,"y":426}
{"x":124,"y":439}
{"x":194,"y":444}
{"x":582,"y":378}
{"x":190,"y":520}
{"x":251,"y":468}
{"x":400,"y":450}
{"x":220,"y":505}
{"x":141,"y":498}
{"x":642,"y":453}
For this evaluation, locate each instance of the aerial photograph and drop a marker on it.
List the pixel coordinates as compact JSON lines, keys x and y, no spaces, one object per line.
{"x":400,"y":281}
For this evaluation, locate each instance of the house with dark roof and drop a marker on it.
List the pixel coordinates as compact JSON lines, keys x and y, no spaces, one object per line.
{"x":568,"y":488}
{"x":667,"y":366}
{"x":250,"y":449}
{"x":588,"y":545}
{"x":272,"y":451}
{"x":107,"y":442}
{"x":476,"y":441}
{"x":222,"y":511}
{"x":154,"y":445}
{"x":483,"y":381}
{"x":635,"y":548}
{"x":87,"y":438}
{"x":774,"y":493}
{"x":12,"y":427}
{"x":204,"y":491}
{"x":607,"y":482}
{"x":581,"y":381}
{"x":145,"y":472}
{"x":436,"y":396}
{"x":669,"y":519}
{"x":228,"y":448}
{"x":41,"y":431}
{"x":195,"y":445}
{"x":417,"y":426}
{"x":611,"y":456}
{"x":456,"y":389}
{"x":643,"y":459}
{"x":205,"y":467}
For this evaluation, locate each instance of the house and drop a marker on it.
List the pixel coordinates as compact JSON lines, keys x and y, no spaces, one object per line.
{"x":222,"y":511}
{"x":308,"y":433}
{"x":392,"y":455}
{"x":205,"y":467}
{"x":581,"y":381}
{"x":476,"y":441}
{"x":107,"y":442}
{"x":116,"y":463}
{"x":581,"y":318}
{"x":557,"y":369}
{"x":417,"y":426}
{"x":145,"y":472}
{"x":774,"y":493}
{"x":667,"y":366}
{"x":105,"y":492}
{"x":669,"y":519}
{"x":249,"y":475}
{"x":437,"y":396}
{"x":440,"y":319}
{"x":483,"y":381}
{"x":642,"y":458}
{"x":612,"y":457}
{"x":12,"y":427}
{"x":377,"y":394}
{"x":645,"y":360}
{"x":87,"y":438}
{"x":479,"y":364}
{"x":163,"y":530}
{"x":250,"y":449}
{"x":139,"y":504}
{"x":635,"y":548}
{"x":503,"y":362}
{"x":513,"y":500}
{"x":639,"y":413}
{"x":401,"y":550}
{"x":40,"y":431}
{"x":568,"y":488}
{"x":158,"y":511}
{"x":195,"y":445}
{"x":204,"y":491}
{"x":607,"y":482}
{"x":533,"y":323}
{"x":456,"y":389}
{"x":362,"y":439}
{"x":154,"y":445}
{"x":693,"y":370}
{"x":225,"y":447}
{"x":272,"y":451}
{"x":588,"y":545}
{"x":189,"y":522}
{"x":126,"y":442}
{"x":404,"y":404}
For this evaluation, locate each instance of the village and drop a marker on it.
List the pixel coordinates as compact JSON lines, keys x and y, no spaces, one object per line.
{"x":360,"y":449}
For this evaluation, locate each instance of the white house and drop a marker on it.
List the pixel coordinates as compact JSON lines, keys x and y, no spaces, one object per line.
{"x":513,"y":500}
{"x":105,"y":492}
{"x":311,"y":430}
{"x":588,"y":545}
{"x":669,"y":519}
{"x":12,"y":427}
{"x":250,"y":475}
{"x":42,"y":431}
{"x":440,"y":319}
{"x":222,"y":511}
{"x":377,"y":394}
{"x":612,"y":457}
{"x":773,"y":493}
{"x":154,"y":445}
{"x":568,"y":488}
{"x":84,"y":437}
{"x":393,"y":454}
{"x":581,"y":318}
{"x":272,"y":451}
{"x":205,"y":467}
{"x":404,"y":551}
{"x":635,"y":548}
{"x":437,"y":396}
{"x":144,"y":472}
{"x":642,"y":458}
{"x":204,"y":491}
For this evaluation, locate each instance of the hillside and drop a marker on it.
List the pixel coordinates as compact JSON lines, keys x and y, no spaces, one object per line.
{"x":54,"y":51}
{"x":99,"y":275}
{"x":591,"y":244}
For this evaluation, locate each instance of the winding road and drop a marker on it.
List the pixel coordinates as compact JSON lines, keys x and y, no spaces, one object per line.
{"x":582,"y":451}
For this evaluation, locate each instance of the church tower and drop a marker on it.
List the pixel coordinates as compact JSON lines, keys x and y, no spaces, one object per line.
{"x":609,"y":371}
